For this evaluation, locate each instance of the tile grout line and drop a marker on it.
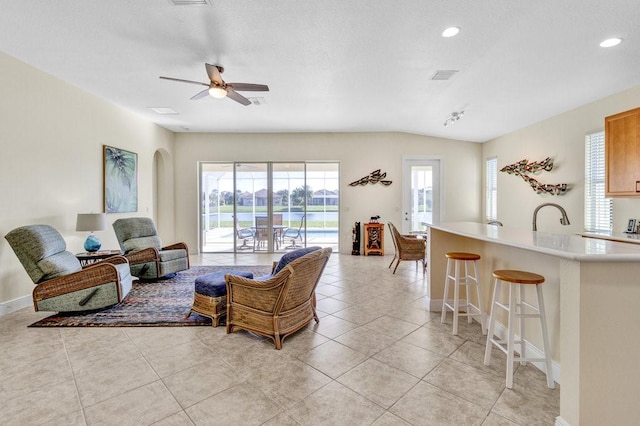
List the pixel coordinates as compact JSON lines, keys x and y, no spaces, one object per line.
{"x":73,"y":375}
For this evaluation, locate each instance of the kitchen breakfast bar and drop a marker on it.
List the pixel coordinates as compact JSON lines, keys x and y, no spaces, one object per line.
{"x":592,"y":298}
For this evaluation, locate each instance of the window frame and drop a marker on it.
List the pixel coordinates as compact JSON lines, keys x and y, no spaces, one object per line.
{"x":598,"y":210}
{"x":491,"y":189}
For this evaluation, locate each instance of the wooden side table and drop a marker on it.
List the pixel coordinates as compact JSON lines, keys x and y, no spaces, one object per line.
{"x":87,"y":258}
{"x":374,"y":238}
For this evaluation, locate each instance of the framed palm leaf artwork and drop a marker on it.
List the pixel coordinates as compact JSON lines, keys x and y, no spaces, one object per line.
{"x":120,"y":180}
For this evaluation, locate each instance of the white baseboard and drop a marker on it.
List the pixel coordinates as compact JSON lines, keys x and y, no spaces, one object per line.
{"x":15,"y":305}
{"x":435,"y":305}
{"x":532,"y":352}
{"x":561,"y":422}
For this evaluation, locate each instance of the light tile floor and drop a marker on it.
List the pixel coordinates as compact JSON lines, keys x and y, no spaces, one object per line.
{"x":378,"y":357}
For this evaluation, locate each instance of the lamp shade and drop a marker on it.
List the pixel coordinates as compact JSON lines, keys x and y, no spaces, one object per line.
{"x":91,"y":222}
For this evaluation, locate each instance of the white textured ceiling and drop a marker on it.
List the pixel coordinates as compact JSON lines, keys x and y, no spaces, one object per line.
{"x":336,"y":65}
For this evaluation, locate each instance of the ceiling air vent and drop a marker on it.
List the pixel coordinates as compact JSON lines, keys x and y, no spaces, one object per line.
{"x":190,"y":2}
{"x":444,"y":74}
{"x":257,"y":100}
{"x":163,"y":110}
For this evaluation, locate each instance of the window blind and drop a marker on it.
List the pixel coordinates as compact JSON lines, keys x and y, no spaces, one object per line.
{"x":491,"y":189}
{"x":598,"y":210}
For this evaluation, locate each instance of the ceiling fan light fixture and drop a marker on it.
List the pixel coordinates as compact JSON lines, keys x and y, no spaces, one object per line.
{"x":217,"y":92}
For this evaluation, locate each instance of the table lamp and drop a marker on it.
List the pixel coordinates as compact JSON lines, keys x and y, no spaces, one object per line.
{"x":91,"y":222}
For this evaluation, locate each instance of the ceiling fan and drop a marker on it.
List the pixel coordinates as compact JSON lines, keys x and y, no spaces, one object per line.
{"x":218,"y":88}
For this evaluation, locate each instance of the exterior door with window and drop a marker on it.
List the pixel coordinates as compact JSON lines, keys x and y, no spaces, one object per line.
{"x":421,"y":192}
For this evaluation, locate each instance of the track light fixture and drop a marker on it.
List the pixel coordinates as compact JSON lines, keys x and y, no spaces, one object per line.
{"x":455,"y":116}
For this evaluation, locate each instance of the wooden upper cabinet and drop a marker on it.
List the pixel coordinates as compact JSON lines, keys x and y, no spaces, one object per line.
{"x":622,"y":154}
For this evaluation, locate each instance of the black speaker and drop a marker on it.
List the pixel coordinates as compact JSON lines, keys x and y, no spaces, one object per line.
{"x":355,"y":250}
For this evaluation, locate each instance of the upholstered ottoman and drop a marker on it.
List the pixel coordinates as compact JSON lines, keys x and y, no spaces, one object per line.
{"x":210,"y":296}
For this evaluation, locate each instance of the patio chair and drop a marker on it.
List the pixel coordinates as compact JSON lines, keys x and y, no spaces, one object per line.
{"x":245,"y":234}
{"x":62,"y":284}
{"x":408,"y":247}
{"x":142,"y":246}
{"x":280,"y":304}
{"x":277,"y":229}
{"x":293,"y":234}
{"x":261,"y":236}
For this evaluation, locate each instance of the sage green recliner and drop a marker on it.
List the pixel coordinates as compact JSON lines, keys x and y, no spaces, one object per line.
{"x":139,"y":240}
{"x":62,"y":284}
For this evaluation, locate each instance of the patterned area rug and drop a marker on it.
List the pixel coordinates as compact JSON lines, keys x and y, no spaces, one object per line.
{"x":149,"y":304}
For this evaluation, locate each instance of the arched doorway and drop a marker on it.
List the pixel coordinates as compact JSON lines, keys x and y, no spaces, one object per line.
{"x":163,"y":193}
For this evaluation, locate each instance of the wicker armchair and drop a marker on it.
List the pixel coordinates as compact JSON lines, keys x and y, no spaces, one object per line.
{"x":139,"y":240}
{"x":408,"y":247}
{"x":279,"y":305}
{"x":62,"y":284}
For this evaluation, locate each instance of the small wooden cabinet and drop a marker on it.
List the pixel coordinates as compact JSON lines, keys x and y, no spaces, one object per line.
{"x":622,"y":154}
{"x":374,"y":239}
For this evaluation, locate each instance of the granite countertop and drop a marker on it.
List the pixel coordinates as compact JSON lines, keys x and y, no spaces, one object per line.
{"x":573,"y":247}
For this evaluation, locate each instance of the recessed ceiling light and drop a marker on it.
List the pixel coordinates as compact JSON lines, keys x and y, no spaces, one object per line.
{"x":163,"y":110}
{"x":450,"y":32}
{"x":610,"y":42}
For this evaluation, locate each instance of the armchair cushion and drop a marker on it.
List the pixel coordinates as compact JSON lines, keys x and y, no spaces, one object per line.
{"x":59,"y":264}
{"x":286,"y":259}
{"x":214,"y":284}
{"x":168,"y":255}
{"x":40,"y":249}
{"x":140,"y":243}
{"x":291,"y":256}
{"x":135,"y":227}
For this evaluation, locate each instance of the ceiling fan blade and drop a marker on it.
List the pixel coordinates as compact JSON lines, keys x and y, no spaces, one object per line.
{"x":214,"y":74}
{"x":249,"y":87}
{"x":237,"y":97}
{"x":200,"y":95}
{"x":184,"y":81}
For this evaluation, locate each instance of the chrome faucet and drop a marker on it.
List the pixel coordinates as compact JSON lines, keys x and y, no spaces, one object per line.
{"x":564,"y":220}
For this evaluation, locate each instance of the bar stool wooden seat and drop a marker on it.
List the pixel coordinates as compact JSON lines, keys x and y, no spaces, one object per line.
{"x":517,"y":281}
{"x":454,"y":261}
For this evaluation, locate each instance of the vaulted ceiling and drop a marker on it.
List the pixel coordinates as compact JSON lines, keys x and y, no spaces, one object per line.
{"x":336,"y":65}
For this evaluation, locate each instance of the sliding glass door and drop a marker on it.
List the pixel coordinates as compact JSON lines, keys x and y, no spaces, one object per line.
{"x":251,"y":207}
{"x":289,"y":205}
{"x":268,"y":207}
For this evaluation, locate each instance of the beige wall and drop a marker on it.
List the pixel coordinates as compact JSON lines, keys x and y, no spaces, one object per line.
{"x":52,"y":137}
{"x":51,"y":163}
{"x":561,"y":138}
{"x":358,"y":154}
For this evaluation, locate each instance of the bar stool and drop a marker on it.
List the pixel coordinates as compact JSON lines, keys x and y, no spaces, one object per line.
{"x":518,"y":279}
{"x":454,"y":260}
